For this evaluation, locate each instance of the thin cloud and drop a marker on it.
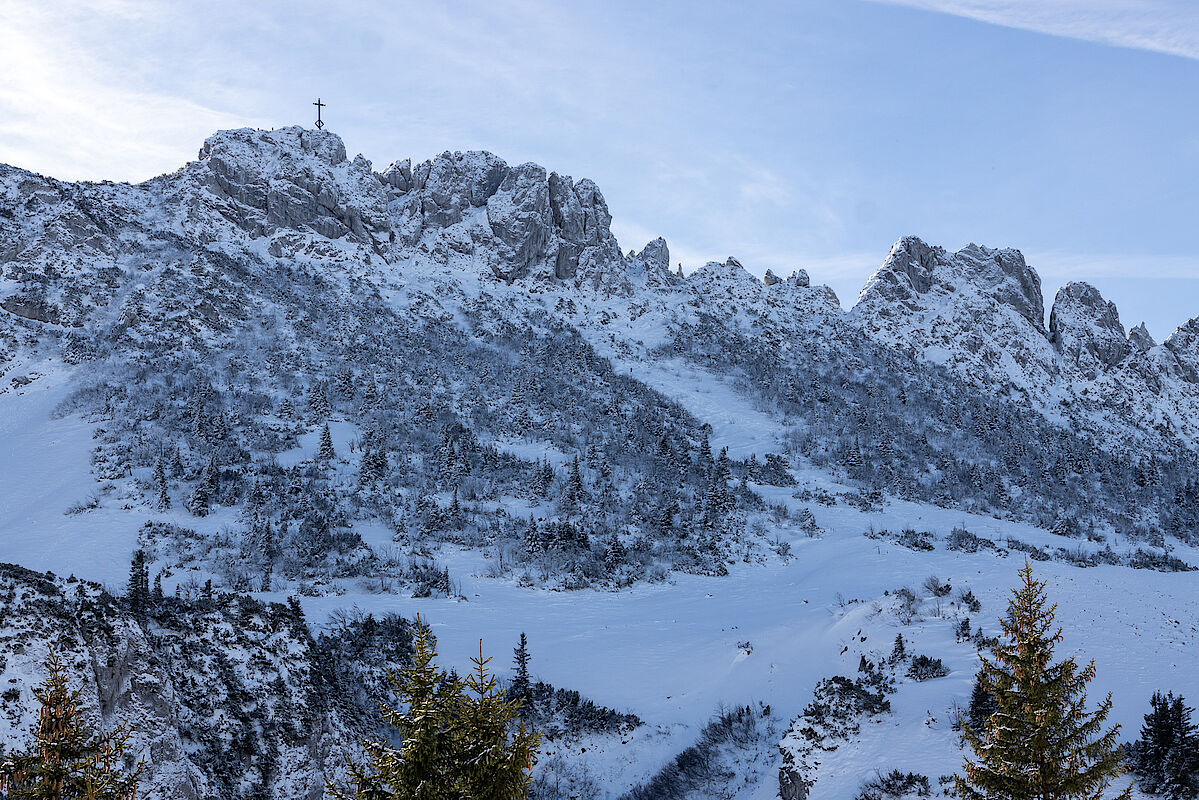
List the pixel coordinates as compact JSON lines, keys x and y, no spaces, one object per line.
{"x":1061,"y":265}
{"x":64,"y":113}
{"x":1160,"y":26}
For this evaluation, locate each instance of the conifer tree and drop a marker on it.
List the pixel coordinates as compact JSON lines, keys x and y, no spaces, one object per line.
{"x":206,"y":489}
{"x":982,"y":705}
{"x":326,"y":452}
{"x":69,"y":760}
{"x":1166,"y":758}
{"x":520,"y":689}
{"x":1041,"y":743}
{"x":176,"y":462}
{"x":318,"y":401}
{"x":200,"y":500}
{"x":163,"y":500}
{"x":496,"y":762}
{"x":138,"y":594}
{"x":458,"y":739}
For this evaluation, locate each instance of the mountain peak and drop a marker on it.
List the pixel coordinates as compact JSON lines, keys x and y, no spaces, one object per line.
{"x":914,"y":269}
{"x":1086,"y":329}
{"x":1140,"y":339}
{"x":294,"y":141}
{"x":1183,"y":344}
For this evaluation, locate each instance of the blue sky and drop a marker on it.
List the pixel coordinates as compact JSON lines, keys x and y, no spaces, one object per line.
{"x":806,"y":134}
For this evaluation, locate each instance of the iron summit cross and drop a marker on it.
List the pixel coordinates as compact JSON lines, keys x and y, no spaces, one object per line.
{"x":319,"y":105}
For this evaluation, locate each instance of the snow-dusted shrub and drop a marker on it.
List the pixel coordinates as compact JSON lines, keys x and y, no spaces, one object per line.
{"x":895,"y":785}
{"x":925,"y":668}
{"x":700,"y":770}
{"x":964,"y":541}
{"x":937,"y":587}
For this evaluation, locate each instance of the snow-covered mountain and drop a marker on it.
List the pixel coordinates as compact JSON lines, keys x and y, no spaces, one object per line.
{"x":444,"y":388}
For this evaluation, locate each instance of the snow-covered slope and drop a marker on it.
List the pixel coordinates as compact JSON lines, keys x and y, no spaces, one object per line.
{"x":664,"y":480}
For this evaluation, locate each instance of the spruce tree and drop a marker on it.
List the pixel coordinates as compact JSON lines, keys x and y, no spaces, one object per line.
{"x":138,"y":593}
{"x":326,"y":452}
{"x":1041,"y":743}
{"x":496,"y":762}
{"x":982,"y":705}
{"x":318,"y":401}
{"x":68,"y":760}
{"x":163,"y":500}
{"x":1166,"y":758}
{"x":521,"y":689}
{"x":200,"y":500}
{"x":458,"y":742}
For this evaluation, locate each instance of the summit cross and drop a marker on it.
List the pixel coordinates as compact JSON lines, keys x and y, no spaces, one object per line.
{"x":319,"y":105}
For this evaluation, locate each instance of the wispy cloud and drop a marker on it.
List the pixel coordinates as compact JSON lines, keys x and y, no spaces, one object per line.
{"x":1064,"y":266}
{"x":1162,"y":26}
{"x":67,"y":113}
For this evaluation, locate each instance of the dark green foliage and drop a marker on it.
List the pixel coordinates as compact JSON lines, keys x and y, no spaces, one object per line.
{"x":1041,"y":742}
{"x":895,"y":785}
{"x":325,"y":451}
{"x":1166,"y":757}
{"x":841,"y":701}
{"x":964,"y":541}
{"x":519,"y":690}
{"x":69,"y":761}
{"x":162,"y":499}
{"x":924,"y":668}
{"x":458,"y":742}
{"x":564,"y":713}
{"x":846,"y":399}
{"x":698,"y":769}
{"x":137,"y":594}
{"x":982,"y":705}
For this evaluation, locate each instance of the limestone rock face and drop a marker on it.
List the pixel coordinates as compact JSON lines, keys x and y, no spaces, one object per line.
{"x":979,"y":310}
{"x":914,"y":268}
{"x":519,"y":216}
{"x":1139,"y":339}
{"x":729,"y":286}
{"x":656,"y":255}
{"x":1086,"y":329}
{"x":1183,"y":347}
{"x":292,"y":178}
{"x":459,"y":181}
